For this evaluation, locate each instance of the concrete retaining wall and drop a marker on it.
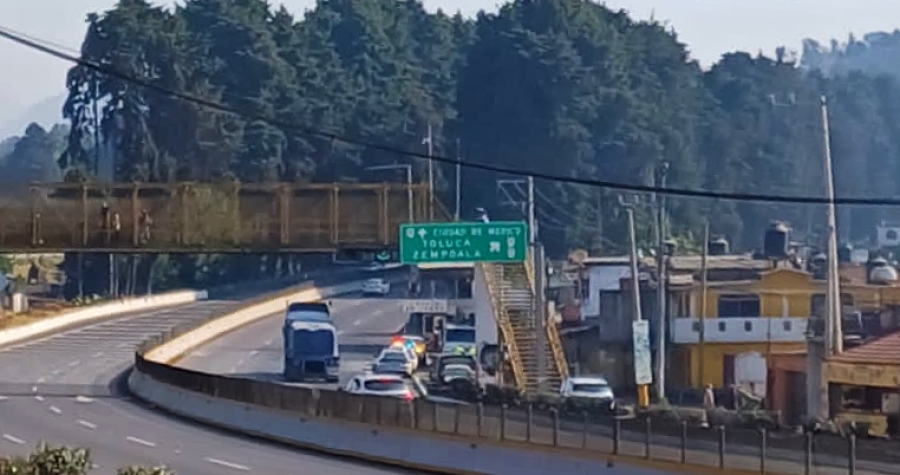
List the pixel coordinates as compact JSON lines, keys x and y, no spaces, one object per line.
{"x":395,"y":447}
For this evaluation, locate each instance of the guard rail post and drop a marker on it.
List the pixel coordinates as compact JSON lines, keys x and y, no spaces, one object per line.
{"x":555,"y":413}
{"x":721,"y":447}
{"x":585,"y":427}
{"x":763,"y":448}
{"x":503,"y":409}
{"x":617,"y":433}
{"x":851,"y":454}
{"x":456,"y":417}
{"x":415,"y":413}
{"x":434,"y":417}
{"x":529,"y":422}
{"x":647,"y":431}
{"x":808,"y":451}
{"x":479,"y":418}
{"x":684,"y":435}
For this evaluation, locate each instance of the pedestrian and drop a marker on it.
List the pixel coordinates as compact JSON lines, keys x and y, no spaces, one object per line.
{"x":709,"y":404}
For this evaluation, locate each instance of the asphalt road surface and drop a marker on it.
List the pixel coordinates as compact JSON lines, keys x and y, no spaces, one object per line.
{"x":365,"y":326}
{"x":58,"y":390}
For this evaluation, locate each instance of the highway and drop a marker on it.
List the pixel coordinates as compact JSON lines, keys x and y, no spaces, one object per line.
{"x":255,"y":351}
{"x":59,"y":390}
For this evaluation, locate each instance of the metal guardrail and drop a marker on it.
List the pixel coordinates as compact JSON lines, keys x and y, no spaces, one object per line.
{"x":572,"y":431}
{"x":576,"y":434}
{"x":506,"y":330}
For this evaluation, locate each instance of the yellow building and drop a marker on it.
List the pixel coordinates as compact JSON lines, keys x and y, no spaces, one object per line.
{"x":754,"y":310}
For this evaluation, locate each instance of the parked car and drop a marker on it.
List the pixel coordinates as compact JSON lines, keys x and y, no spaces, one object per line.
{"x":376,"y":286}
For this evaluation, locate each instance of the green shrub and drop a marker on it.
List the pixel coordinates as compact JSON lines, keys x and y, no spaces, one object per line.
{"x":47,"y":460}
{"x":136,"y":470}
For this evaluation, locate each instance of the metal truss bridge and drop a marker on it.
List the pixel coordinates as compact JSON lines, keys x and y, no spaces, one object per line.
{"x":214,"y":218}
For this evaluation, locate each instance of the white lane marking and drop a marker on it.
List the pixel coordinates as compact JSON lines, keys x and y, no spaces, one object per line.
{"x":84,"y":423}
{"x":41,"y":380}
{"x":357,"y":323}
{"x":34,"y":389}
{"x":3,"y":398}
{"x":55,"y":410}
{"x":83,"y":399}
{"x":123,"y":345}
{"x":39,"y":398}
{"x":143,"y":442}
{"x":56,"y":372}
{"x":269,"y":341}
{"x":228,"y":464}
{"x":98,"y":354}
{"x":254,"y":352}
{"x":240,"y":362}
{"x":74,"y":363}
{"x":13,"y":439}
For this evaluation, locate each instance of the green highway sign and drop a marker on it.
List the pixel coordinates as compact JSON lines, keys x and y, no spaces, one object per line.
{"x":463,"y":242}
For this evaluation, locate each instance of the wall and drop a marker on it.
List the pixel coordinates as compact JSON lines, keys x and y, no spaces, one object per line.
{"x":485,"y":323}
{"x":714,"y":356}
{"x":782,"y":292}
{"x":602,"y":278}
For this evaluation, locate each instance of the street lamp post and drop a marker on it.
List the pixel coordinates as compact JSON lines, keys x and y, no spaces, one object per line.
{"x":409,"y":181}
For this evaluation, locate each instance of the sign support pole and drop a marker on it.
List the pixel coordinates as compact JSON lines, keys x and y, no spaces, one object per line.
{"x":643,"y":389}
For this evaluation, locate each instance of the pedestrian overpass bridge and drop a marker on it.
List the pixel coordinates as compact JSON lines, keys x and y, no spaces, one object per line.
{"x":210,"y":217}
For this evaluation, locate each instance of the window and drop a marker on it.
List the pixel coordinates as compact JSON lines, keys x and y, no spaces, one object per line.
{"x":721,"y":326}
{"x":385,"y":385}
{"x":461,"y":335}
{"x":748,"y":326}
{"x":696,"y":327}
{"x":787,"y":325}
{"x":737,"y":305}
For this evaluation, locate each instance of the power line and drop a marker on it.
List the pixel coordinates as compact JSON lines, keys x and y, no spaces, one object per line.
{"x":310,"y":131}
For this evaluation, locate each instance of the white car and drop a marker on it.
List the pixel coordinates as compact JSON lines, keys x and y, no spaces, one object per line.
{"x":376,"y":287}
{"x":588,"y":391}
{"x":396,"y":358}
{"x":387,"y":385}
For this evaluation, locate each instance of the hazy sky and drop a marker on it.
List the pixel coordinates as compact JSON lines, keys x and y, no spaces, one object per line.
{"x":709,"y":27}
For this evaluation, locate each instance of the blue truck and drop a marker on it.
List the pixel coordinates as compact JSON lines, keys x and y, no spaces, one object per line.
{"x":310,"y":343}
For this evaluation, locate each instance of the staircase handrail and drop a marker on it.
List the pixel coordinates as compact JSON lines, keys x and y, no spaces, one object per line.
{"x":559,"y":356}
{"x":502,"y":318}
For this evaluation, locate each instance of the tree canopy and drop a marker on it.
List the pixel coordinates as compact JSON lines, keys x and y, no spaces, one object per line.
{"x":559,"y":87}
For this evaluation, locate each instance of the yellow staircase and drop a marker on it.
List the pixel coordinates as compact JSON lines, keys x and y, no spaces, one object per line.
{"x":511,"y":287}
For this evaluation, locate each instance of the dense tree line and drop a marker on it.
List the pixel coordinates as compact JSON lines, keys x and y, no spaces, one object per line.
{"x":561,"y":87}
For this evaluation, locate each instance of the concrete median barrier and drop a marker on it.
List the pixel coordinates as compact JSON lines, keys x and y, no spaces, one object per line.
{"x":172,"y":350}
{"x":80,"y":316}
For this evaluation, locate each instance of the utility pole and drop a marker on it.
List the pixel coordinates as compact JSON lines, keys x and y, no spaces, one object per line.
{"x":820,"y":346}
{"x":540,"y":306}
{"x":429,"y":141}
{"x":643,"y":395}
{"x":833,"y":329}
{"x":661,"y":289}
{"x":458,"y":179}
{"x":704,"y":294}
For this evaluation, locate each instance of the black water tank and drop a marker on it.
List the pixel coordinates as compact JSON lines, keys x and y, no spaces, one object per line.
{"x":818,"y":266}
{"x":776,"y":241}
{"x":717,"y":247}
{"x":845,"y":253}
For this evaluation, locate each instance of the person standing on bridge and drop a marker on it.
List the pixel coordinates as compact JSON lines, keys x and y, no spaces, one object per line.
{"x":145,"y":222}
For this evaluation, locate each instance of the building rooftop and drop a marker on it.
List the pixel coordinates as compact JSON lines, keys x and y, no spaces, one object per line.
{"x":885,"y":350}
{"x":607,"y":261}
{"x":733,"y":261}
